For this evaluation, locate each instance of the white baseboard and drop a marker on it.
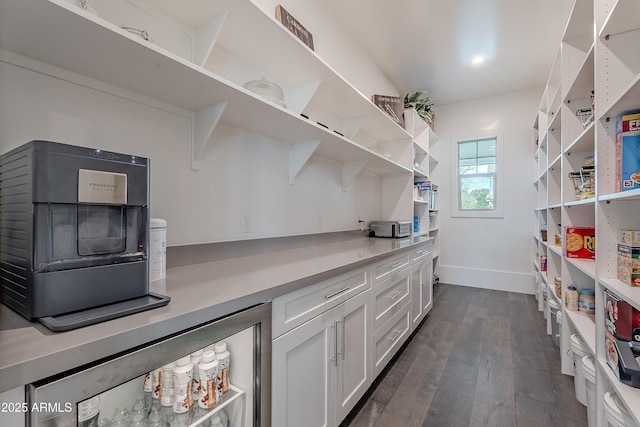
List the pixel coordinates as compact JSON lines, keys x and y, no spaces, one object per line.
{"x":509,"y":281}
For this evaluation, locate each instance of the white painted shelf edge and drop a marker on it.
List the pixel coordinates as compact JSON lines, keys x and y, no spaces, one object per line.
{"x":585,"y":325}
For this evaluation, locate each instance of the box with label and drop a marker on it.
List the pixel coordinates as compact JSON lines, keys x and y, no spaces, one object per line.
{"x":621,"y":322}
{"x":581,"y":242}
{"x":620,"y":317}
{"x":628,"y":257}
{"x":628,"y":152}
{"x":629,"y":238}
{"x":629,"y":265}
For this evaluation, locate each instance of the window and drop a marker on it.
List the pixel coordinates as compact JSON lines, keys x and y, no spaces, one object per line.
{"x":477,"y":165}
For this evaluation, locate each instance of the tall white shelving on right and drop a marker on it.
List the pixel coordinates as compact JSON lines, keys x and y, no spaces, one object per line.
{"x":617,"y":77}
{"x":599,"y":55}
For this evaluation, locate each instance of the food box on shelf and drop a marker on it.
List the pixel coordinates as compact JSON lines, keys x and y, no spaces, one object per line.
{"x":629,"y":257}
{"x":621,"y":319}
{"x":581,"y":242}
{"x":622,"y":324}
{"x":628,"y":152}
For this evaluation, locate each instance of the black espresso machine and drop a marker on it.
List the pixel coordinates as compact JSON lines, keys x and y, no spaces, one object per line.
{"x":74,"y":234}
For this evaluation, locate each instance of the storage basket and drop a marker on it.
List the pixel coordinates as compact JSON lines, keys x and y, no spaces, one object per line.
{"x":584,"y":182}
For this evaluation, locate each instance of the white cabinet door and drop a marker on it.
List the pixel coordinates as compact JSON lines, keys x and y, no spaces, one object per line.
{"x":416,"y":294}
{"x":303,"y":376}
{"x":421,"y":289}
{"x":354,"y":344}
{"x":426,"y":283}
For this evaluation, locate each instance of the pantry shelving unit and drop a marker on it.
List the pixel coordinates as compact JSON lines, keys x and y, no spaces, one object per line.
{"x":596,"y":54}
{"x":424,"y":165}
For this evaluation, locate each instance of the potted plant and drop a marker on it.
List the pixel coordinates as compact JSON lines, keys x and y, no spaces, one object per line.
{"x":422,"y":104}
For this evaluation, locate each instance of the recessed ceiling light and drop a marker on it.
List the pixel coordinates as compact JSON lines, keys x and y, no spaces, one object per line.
{"x":477,"y":60}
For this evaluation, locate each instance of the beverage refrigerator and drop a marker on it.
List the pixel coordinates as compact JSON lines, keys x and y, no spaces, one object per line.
{"x":111,"y":392}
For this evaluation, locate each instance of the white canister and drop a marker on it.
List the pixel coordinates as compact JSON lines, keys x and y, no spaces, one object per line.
{"x":579,"y":350}
{"x":157,"y":249}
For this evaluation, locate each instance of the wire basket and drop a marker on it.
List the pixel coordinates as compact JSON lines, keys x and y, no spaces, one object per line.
{"x":584,"y":182}
{"x":585,"y":115}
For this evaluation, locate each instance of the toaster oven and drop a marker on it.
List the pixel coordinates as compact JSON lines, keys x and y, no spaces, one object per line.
{"x":390,"y":229}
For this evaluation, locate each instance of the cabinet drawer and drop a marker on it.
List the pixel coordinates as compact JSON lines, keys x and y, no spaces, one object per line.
{"x":421,"y":252}
{"x":383,"y":269}
{"x":388,"y":339}
{"x":295,"y":308}
{"x":389,"y":296}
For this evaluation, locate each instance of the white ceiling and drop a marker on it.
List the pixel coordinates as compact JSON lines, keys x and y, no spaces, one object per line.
{"x":428,"y":44}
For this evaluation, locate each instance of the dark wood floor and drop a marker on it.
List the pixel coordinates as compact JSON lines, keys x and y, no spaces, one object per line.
{"x":481,"y":358}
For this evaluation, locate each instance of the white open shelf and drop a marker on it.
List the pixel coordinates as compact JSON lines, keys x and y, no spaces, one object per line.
{"x":96,"y":48}
{"x":585,"y":325}
{"x":587,"y":266}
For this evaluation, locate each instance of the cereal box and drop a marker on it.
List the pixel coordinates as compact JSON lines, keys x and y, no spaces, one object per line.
{"x":628,"y":152}
{"x":581,"y":242}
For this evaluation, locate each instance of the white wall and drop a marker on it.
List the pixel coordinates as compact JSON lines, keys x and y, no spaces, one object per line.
{"x":489,"y":252}
{"x":239,"y":175}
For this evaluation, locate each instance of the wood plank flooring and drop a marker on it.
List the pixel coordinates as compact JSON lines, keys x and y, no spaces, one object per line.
{"x":481,"y":358}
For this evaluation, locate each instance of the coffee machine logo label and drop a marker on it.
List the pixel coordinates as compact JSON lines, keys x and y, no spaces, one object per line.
{"x":102,"y":187}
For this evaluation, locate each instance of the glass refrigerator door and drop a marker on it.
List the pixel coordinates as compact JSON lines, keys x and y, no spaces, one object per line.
{"x":151,"y":386}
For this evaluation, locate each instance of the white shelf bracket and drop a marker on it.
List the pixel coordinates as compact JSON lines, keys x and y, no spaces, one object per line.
{"x":349,"y":172}
{"x":299,"y":156}
{"x":204,"y":123}
{"x":206,"y":37}
{"x":351,"y":126}
{"x":300,"y":97}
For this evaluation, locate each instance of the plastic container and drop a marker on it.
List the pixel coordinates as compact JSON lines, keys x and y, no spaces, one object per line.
{"x":615,"y":413}
{"x":579,"y":350}
{"x":590,"y":384}
{"x":157,"y":249}
{"x":587,"y":301}
{"x":267,"y":90}
{"x":571,"y":298}
{"x":553,"y":311}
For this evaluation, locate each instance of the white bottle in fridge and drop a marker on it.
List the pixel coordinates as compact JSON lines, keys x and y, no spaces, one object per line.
{"x":224,"y":358}
{"x":196,"y":357}
{"x":156,"y":383}
{"x":167,"y":391}
{"x":208,"y":371}
{"x":182,"y":378}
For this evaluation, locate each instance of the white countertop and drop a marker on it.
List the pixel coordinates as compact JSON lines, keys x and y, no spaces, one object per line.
{"x":199,"y":293}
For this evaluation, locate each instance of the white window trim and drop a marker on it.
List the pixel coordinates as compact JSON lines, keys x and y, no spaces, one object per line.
{"x":498,"y":212}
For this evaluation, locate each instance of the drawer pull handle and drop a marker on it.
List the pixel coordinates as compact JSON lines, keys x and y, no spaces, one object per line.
{"x":396,"y":265}
{"x":397,"y":334}
{"x":337,"y":293}
{"x":422,"y":252}
{"x":395,"y":295}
